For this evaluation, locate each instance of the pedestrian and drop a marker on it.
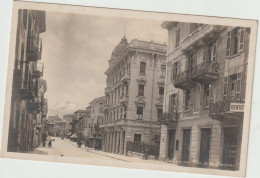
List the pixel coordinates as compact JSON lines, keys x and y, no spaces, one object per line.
{"x":50,"y":143}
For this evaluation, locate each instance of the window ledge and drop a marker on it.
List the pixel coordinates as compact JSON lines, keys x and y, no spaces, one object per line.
{"x":235,"y":55}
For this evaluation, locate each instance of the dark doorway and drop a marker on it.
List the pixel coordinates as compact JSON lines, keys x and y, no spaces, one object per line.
{"x":185,"y":157}
{"x":137,"y":137}
{"x":171,"y":144}
{"x":230,"y":148}
{"x":205,"y":147}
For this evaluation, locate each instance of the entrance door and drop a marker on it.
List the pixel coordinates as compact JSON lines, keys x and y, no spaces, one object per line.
{"x":171,"y":144}
{"x":205,"y":147}
{"x":186,"y":146}
{"x":230,"y":148}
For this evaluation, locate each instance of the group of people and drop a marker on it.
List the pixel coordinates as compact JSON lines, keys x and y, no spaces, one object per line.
{"x":45,"y":138}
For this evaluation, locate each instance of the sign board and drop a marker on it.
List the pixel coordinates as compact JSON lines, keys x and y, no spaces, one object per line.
{"x":237,"y":107}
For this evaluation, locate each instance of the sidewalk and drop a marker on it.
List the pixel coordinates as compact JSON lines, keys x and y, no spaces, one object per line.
{"x":114,"y":156}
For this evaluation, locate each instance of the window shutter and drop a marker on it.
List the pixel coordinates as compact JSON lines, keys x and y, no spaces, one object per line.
{"x":169,"y":103}
{"x":194,"y":59}
{"x":205,"y":54}
{"x":228,"y":43}
{"x":238,"y":86}
{"x":201,"y":94}
{"x":214,"y":52}
{"x":191,"y":106}
{"x":211,"y":96}
{"x":183,"y":101}
{"x":242,"y":38}
{"x":225,"y":88}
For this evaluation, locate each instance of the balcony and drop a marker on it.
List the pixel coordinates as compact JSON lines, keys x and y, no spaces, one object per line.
{"x":126,"y":77}
{"x":108,"y":89}
{"x":38,"y":69}
{"x":123,"y":99}
{"x":205,"y":32}
{"x":226,"y":109}
{"x":28,"y":90}
{"x":205,"y":72}
{"x":183,"y":80}
{"x":34,"y":48}
{"x":33,"y":105}
{"x":170,"y":117}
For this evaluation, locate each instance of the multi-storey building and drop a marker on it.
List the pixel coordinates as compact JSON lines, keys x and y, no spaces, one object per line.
{"x":96,"y":116}
{"x":68,"y":118}
{"x":206,"y":67}
{"x":77,"y":125}
{"x":134,"y":94}
{"x":28,"y":104}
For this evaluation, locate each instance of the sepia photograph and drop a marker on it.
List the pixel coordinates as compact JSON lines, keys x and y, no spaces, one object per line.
{"x":131,"y":89}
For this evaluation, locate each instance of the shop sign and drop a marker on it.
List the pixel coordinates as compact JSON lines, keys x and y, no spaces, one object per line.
{"x":237,"y":107}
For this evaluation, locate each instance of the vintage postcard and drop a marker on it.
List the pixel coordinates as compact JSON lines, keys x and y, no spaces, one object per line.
{"x":131,"y":89}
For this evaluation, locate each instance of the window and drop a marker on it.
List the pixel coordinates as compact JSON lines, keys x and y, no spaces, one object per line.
{"x":235,"y":41}
{"x":192,"y":60}
{"x":178,"y":36}
{"x":25,"y":12}
{"x":137,"y":137}
{"x":159,"y":113}
{"x":142,"y":67}
{"x":205,"y":95}
{"x":173,"y":102}
{"x":139,"y":113}
{"x":187,"y":99}
{"x":163,"y":69}
{"x":194,"y":27}
{"x":161,"y":91}
{"x":175,"y":69}
{"x":140,"y":90}
{"x":209,"y":53}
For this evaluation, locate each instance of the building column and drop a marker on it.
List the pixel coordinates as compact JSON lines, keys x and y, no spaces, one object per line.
{"x":121,"y":142}
{"x":118,"y":142}
{"x":111,"y":142}
{"x":194,"y":146}
{"x":163,"y":142}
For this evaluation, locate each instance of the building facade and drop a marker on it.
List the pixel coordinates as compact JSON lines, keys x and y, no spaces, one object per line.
{"x":134,"y":95}
{"x":68,"y":118}
{"x":206,"y":67}
{"x":28,"y":103}
{"x":96,"y":116}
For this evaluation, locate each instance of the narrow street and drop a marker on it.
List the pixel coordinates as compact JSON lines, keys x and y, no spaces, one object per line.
{"x":66,"y":148}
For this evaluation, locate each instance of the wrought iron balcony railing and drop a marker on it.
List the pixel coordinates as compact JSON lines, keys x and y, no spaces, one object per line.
{"x":183,"y":80}
{"x":169,"y":117}
{"x":34,"y":48}
{"x":199,"y":34}
{"x":204,"y":72}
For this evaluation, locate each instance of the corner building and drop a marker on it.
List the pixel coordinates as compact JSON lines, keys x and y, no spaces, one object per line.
{"x":204,"y":95}
{"x":134,"y":94}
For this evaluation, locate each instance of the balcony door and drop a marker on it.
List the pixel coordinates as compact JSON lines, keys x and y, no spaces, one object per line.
{"x":205,"y":147}
{"x":230,"y":148}
{"x":185,"y":157}
{"x":171,"y":141}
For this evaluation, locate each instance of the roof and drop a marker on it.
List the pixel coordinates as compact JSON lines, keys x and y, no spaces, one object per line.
{"x":101,"y":99}
{"x":81,"y":111}
{"x":53,"y":118}
{"x":139,"y":45}
{"x":119,"y":48}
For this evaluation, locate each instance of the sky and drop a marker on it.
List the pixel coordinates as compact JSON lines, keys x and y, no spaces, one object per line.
{"x":76,"y":49}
